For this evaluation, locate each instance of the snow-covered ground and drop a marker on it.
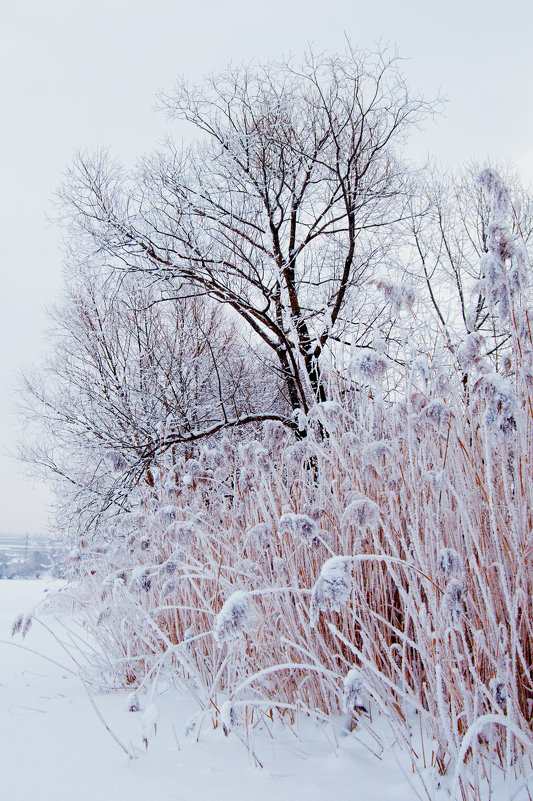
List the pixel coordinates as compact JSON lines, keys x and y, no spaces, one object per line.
{"x":54,"y":746}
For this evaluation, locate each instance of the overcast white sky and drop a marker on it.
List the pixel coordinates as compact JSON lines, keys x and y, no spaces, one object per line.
{"x":77,"y":75}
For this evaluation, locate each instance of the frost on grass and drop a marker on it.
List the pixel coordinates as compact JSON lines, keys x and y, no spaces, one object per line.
{"x":301,"y":526}
{"x":149,"y":723}
{"x":21,"y":625}
{"x":104,"y":614}
{"x":141,"y":579}
{"x":259,"y":535}
{"x":354,"y":692}
{"x":399,"y":295}
{"x":183,"y":532}
{"x":132,"y":702}
{"x":375,"y":452}
{"x":166,"y":515}
{"x":368,"y":364}
{"x":256,"y":457}
{"x":469,"y":350}
{"x":274,"y":435}
{"x":450,"y":563}
{"x":233,"y":618}
{"x":328,"y":413}
{"x":332,"y":588}
{"x":280,"y":568}
{"x":170,"y":587}
{"x":436,"y":413}
{"x":452,"y":604}
{"x":188,"y":636}
{"x":117,"y":461}
{"x":362,"y":513}
{"x":296,"y":454}
{"x":502,"y":409}
{"x":496,"y":193}
{"x":504,"y":266}
{"x":498,"y":688}
{"x":228,"y":717}
{"x":17,"y":625}
{"x":171,"y":565}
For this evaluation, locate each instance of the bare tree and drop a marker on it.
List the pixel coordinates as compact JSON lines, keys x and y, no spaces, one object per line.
{"x":284,"y":209}
{"x":128,"y":372}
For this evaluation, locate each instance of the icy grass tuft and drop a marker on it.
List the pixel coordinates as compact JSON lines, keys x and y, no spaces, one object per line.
{"x":362,"y":514}
{"x":354,"y":692}
{"x":332,"y":589}
{"x":368,"y":365}
{"x":301,"y":526}
{"x":232,"y":619}
{"x":450,"y":563}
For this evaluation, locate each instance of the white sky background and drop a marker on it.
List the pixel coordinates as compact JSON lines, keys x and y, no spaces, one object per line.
{"x":79,"y":75}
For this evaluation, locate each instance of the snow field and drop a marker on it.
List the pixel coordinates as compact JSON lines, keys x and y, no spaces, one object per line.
{"x":55,"y":748}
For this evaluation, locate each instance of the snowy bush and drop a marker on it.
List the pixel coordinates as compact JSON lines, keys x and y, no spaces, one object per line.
{"x":424,"y":487}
